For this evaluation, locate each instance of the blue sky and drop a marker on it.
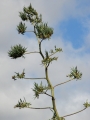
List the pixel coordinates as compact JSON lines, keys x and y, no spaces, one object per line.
{"x":73,"y":31}
{"x":70,"y":20}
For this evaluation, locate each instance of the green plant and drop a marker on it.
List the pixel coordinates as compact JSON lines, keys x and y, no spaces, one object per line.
{"x":42,"y":32}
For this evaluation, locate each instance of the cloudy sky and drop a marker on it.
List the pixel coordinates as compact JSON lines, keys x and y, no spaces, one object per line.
{"x":70,"y":20}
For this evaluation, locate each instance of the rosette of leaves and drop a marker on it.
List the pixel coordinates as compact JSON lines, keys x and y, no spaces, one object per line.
{"x":86,"y":105}
{"x":23,"y":16}
{"x":21,"y":28}
{"x":17,"y":51}
{"x":56,"y":50}
{"x":30,"y":10}
{"x":47,"y":60}
{"x":22,"y":104}
{"x":30,"y":14}
{"x":43,"y":31}
{"x":75,"y":73}
{"x":20,"y":76}
{"x":38,"y":89}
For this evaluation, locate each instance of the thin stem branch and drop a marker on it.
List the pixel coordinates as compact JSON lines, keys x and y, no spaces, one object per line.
{"x":74,"y":113}
{"x":34,"y":78}
{"x":30,"y":52}
{"x":46,"y":94}
{"x":52,"y":93}
{"x":63,"y":83}
{"x":40,"y":108}
{"x":40,"y":50}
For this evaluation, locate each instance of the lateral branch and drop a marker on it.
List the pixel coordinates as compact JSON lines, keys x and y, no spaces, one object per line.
{"x":74,"y":113}
{"x":63,"y":83}
{"x":30,"y":52}
{"x":34,"y":78}
{"x":47,"y":94}
{"x":40,"y":108}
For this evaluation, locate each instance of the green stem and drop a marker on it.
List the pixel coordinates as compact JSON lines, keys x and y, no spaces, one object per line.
{"x":49,"y":83}
{"x":52,"y":93}
{"x":40,"y":50}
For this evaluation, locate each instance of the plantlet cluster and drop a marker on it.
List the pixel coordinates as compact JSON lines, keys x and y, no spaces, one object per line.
{"x":22,"y":104}
{"x":17,"y":51}
{"x":42,"y":32}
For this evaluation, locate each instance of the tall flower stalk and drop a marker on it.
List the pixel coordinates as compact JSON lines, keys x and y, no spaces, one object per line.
{"x":42,"y":32}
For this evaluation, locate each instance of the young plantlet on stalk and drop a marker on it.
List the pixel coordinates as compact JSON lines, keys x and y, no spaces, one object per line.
{"x":42,"y":32}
